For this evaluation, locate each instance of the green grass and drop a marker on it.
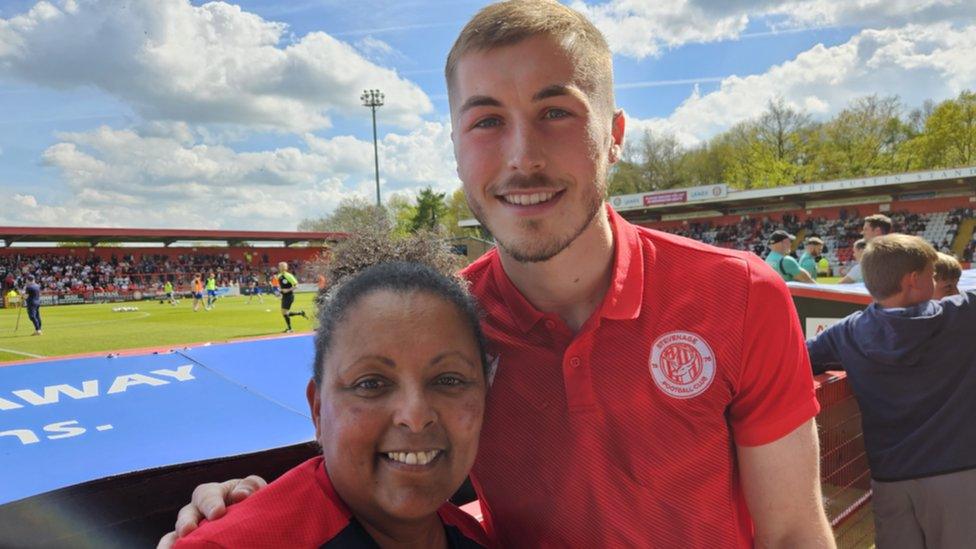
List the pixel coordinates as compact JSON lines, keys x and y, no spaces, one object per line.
{"x":73,"y":329}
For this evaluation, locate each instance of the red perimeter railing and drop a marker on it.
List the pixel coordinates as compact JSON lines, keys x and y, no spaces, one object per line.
{"x":844,"y":474}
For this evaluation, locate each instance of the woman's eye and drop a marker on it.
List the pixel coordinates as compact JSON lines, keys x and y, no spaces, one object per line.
{"x":369,"y":384}
{"x":450,"y":381}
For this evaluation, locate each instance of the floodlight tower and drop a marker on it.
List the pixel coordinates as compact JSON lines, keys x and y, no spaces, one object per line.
{"x":374,"y":99}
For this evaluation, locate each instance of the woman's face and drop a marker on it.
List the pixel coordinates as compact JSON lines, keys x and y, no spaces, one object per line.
{"x":398,"y":411}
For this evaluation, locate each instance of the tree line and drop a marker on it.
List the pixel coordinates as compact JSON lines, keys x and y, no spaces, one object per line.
{"x":429,"y":211}
{"x":873,"y":135}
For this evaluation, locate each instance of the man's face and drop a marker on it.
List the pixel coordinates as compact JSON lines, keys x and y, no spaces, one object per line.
{"x":926,"y":285}
{"x":868,"y":231}
{"x":814,"y":249}
{"x":532,"y":148}
{"x":945,"y":287}
{"x":782,"y":247}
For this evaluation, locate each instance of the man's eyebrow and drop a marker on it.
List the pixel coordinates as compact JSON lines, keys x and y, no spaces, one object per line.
{"x":479,"y":101}
{"x":553,"y":90}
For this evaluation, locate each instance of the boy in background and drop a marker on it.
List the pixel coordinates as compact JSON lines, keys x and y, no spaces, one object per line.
{"x":854,"y":275}
{"x":911,"y":363}
{"x":948,"y":271}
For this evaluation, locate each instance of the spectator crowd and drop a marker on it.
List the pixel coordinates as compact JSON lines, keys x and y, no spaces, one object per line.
{"x":62,"y":273}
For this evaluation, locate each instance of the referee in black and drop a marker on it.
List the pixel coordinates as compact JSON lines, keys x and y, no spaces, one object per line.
{"x":32,"y":294}
{"x":287,"y":282}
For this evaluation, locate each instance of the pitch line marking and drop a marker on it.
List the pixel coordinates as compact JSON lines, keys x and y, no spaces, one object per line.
{"x":31,"y":355}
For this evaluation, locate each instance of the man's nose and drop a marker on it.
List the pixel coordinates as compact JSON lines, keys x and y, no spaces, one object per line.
{"x":527,"y":149}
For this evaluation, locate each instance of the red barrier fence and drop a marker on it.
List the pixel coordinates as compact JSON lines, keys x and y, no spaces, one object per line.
{"x":845,"y":477}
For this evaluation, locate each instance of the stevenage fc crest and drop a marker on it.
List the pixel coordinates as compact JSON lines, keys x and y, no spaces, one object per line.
{"x":682,"y":364}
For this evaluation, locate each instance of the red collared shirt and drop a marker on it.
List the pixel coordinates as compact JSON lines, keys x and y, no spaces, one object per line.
{"x":301,"y":510}
{"x":624,"y":433}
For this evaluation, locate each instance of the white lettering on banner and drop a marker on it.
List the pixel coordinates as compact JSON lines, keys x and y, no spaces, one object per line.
{"x":26,"y":436}
{"x":90,"y":387}
{"x":63,"y":429}
{"x":57,"y":430}
{"x":816,"y":326}
{"x":180,"y":374}
{"x":122,"y":382}
{"x":51,"y":392}
{"x":8,"y":405}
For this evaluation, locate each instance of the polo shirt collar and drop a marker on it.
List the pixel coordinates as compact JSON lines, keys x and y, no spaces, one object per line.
{"x":623,"y":299}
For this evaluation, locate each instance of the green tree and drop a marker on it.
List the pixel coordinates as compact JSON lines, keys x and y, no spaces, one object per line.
{"x":949,"y":138}
{"x":352,"y":214}
{"x":862,"y":139}
{"x":457,"y":211}
{"x":402,"y":211}
{"x":430,"y":210}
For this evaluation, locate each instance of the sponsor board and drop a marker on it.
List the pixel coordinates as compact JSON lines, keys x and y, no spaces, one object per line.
{"x":815,"y":326}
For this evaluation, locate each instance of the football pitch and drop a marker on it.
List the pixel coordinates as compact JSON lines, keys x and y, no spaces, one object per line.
{"x":74,"y":329}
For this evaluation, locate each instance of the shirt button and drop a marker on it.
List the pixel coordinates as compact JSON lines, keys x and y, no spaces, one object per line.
{"x":551,"y":324}
{"x":574,"y":362}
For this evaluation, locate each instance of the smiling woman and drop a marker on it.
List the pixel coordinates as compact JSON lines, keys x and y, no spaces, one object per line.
{"x":397,"y":399}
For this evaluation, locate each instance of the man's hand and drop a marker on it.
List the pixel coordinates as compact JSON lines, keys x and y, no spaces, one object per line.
{"x":210,"y":502}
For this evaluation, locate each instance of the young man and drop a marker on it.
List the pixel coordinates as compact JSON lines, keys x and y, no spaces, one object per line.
{"x":854,"y":275}
{"x":782,"y":262}
{"x":170,"y":294}
{"x":197,"y":292}
{"x":211,"y":290}
{"x":911,"y":362}
{"x":253,"y":288}
{"x":810,"y":259}
{"x":32,"y":299}
{"x":876,"y":225}
{"x":628,"y":406}
{"x":948,"y":271}
{"x":286,"y":284}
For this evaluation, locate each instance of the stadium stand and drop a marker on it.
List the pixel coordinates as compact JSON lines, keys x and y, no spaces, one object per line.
{"x":77,"y":268}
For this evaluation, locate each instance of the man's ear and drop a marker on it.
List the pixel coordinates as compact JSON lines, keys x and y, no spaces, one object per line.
{"x":314,"y":397}
{"x":617,"y":128}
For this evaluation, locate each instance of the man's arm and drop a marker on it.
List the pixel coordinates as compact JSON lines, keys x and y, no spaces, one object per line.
{"x":846,"y":280}
{"x":793,"y":268}
{"x":210,"y":501}
{"x":823,"y":352}
{"x":804,"y":276}
{"x":781,"y":481}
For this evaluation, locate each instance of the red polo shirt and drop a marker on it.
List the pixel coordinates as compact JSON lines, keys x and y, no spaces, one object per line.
{"x":624,"y":433}
{"x":301,"y":509}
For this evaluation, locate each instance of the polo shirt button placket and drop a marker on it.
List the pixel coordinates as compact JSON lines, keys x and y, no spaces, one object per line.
{"x":575,"y":362}
{"x":551,"y":324}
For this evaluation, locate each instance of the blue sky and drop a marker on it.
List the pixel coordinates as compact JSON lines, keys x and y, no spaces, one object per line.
{"x":168,"y":113}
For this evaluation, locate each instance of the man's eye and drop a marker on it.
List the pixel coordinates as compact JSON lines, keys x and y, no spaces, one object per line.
{"x":555,"y":114}
{"x":488,"y":123}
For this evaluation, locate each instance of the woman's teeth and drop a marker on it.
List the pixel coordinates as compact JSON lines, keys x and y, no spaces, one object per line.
{"x":413,"y":458}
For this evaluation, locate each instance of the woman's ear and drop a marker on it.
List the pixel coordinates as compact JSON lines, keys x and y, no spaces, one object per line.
{"x":314,"y":397}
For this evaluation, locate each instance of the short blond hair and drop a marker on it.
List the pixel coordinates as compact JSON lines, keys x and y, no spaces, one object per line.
{"x":510,"y":22}
{"x":947,"y":268}
{"x":889,"y":258}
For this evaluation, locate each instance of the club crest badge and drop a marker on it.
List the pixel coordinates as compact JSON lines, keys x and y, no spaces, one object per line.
{"x":682,"y":364}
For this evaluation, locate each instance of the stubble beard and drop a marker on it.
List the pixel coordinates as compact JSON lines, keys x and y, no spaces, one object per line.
{"x":546,"y":246}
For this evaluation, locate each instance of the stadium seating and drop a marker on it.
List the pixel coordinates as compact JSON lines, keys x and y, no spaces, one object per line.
{"x":839,"y":234}
{"x":60,"y":272}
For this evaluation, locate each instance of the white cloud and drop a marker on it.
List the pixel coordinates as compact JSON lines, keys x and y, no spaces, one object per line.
{"x":168,"y":177}
{"x":914,"y":62}
{"x":642,"y":28}
{"x":200,"y":64}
